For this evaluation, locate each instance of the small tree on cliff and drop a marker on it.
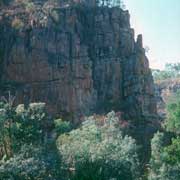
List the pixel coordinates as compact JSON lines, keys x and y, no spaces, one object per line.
{"x":111,"y":3}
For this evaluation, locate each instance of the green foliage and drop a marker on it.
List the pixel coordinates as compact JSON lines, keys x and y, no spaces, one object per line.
{"x":27,"y":153}
{"x":173,"y":152}
{"x":172,"y":122}
{"x":21,"y":126}
{"x":156,"y":154}
{"x":29,"y":123}
{"x":7,"y":130}
{"x":98,"y":151}
{"x":111,"y":3}
{"x":165,"y":161}
{"x":31,"y":162}
{"x":170,"y":71}
{"x":161,"y":75}
{"x":61,"y":126}
{"x":100,"y":3}
{"x":24,"y":165}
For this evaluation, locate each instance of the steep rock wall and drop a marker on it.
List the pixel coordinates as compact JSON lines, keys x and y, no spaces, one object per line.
{"x":164,"y":90}
{"x":78,"y":60}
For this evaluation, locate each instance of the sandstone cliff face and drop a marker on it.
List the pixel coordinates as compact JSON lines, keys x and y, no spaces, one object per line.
{"x":164,"y":90}
{"x":78,"y":60}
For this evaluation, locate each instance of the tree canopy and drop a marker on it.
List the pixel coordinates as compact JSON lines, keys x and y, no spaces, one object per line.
{"x":165,"y":157}
{"x":170,"y":71}
{"x":98,"y":151}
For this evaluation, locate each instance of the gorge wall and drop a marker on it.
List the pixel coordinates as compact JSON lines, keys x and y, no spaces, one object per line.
{"x":79,"y":60}
{"x":164,"y":90}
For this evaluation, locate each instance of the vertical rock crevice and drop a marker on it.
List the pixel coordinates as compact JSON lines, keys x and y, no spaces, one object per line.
{"x":86,"y":62}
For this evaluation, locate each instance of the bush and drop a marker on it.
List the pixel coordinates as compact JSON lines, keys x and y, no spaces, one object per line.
{"x":61,"y":126}
{"x":170,"y":71}
{"x":21,"y":126}
{"x":165,"y":161}
{"x":99,"y":152}
{"x":28,"y":154}
{"x":31,"y":163}
{"x":30,"y":124}
{"x":172,"y":152}
{"x":156,"y":155}
{"x":172,"y":122}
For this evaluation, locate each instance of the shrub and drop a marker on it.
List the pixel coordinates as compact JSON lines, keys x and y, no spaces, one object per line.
{"x":165,"y":161}
{"x":22,"y":136}
{"x":170,"y":71}
{"x":30,"y":123}
{"x":21,"y":126}
{"x":61,"y":126}
{"x":172,"y":152}
{"x":31,"y":162}
{"x":172,"y":122}
{"x":99,"y":152}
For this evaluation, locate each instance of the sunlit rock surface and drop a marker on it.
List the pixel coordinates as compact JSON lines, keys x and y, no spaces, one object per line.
{"x":79,"y":60}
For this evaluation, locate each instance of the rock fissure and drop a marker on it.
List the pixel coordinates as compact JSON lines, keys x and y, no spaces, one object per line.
{"x":86,"y":61}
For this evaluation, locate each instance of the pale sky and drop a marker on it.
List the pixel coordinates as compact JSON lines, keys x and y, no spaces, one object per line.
{"x":159,"y":22}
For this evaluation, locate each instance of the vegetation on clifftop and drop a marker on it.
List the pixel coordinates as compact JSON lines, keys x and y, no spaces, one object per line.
{"x":170,"y":71}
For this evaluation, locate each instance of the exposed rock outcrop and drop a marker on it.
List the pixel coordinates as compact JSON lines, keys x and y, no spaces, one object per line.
{"x":164,"y":90}
{"x":79,"y":60}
